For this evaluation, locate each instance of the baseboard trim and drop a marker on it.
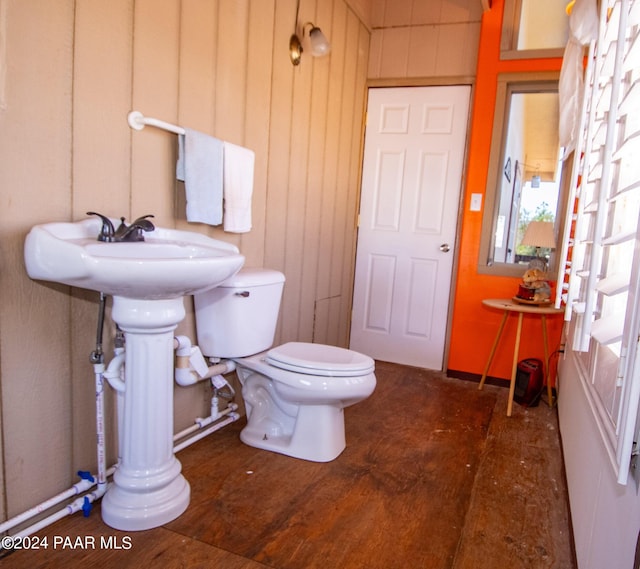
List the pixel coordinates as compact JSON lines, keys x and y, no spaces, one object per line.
{"x":476,"y":377}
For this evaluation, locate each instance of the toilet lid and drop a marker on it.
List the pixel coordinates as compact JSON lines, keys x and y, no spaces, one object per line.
{"x":318,"y":359}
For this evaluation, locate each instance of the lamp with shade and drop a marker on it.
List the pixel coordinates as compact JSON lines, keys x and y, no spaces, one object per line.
{"x":539,"y":234}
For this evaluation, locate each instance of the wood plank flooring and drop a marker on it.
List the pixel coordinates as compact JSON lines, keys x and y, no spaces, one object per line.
{"x":434,"y":476}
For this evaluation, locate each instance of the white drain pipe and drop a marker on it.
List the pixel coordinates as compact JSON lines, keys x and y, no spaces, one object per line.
{"x":191,"y":366}
{"x":201,"y":423}
{"x":83,"y":502}
{"x":78,"y":488}
{"x":88,"y":481}
{"x":100,"y":429}
{"x":113,"y":374}
{"x":230,"y":419}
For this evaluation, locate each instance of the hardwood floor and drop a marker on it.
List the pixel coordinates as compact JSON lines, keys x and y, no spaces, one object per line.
{"x":434,"y":476}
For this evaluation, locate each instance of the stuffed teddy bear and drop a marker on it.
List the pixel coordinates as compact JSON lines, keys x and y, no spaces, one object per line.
{"x":535,"y":287}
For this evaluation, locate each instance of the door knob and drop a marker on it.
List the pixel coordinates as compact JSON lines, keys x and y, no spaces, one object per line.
{"x":445,"y":247}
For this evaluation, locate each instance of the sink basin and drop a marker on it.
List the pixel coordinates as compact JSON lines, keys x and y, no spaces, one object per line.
{"x":170,"y":263}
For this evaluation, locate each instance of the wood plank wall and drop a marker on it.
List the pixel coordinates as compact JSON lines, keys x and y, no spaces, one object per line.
{"x":71,"y":70}
{"x":74,"y":69}
{"x":416,"y":39}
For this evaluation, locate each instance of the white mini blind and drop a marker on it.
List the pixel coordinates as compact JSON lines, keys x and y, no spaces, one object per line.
{"x":603,"y":238}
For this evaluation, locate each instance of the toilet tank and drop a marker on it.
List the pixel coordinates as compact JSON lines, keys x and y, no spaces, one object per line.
{"x":238,"y":318}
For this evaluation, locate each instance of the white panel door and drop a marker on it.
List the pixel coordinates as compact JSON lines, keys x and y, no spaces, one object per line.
{"x":412,"y":175}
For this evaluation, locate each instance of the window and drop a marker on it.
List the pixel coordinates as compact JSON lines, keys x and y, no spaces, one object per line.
{"x":525,"y":181}
{"x":603,"y":244}
{"x":533,"y":28}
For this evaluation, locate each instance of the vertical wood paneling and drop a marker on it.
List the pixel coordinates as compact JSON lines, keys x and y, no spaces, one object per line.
{"x":196,"y":109}
{"x":312,"y":245}
{"x":197,"y":75}
{"x":279,"y":145}
{"x":363,"y":9}
{"x":35,"y":184}
{"x":398,"y":12}
{"x":330,"y":189}
{"x":427,"y":12}
{"x":220,"y":66}
{"x":348,"y":166}
{"x":279,"y":141}
{"x":423,"y":46}
{"x":101,"y":135}
{"x":470,"y":11}
{"x":258,"y":120}
{"x":343,"y":316}
{"x":457,"y":49}
{"x":341,"y":182}
{"x":338,"y":213}
{"x":231,"y":69}
{"x":375,"y":53}
{"x":344,"y":199}
{"x":395,"y":54}
{"x":413,"y":38}
{"x":377,"y":13}
{"x":155,"y":93}
{"x":297,"y":184}
{"x":101,"y":174}
{"x":196,"y":97}
{"x":231,"y":79}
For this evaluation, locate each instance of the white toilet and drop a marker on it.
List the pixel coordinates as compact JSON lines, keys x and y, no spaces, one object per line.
{"x":295,"y":393}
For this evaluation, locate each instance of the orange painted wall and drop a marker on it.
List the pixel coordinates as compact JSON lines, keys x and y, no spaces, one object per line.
{"x":474,"y":326}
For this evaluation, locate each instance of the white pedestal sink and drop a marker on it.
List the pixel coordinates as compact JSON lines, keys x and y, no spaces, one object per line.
{"x":147,"y":281}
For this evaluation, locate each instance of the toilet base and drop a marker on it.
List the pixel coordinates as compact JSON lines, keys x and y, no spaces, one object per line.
{"x":317,"y":436}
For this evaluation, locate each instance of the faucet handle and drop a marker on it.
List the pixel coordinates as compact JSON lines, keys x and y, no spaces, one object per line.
{"x":122,"y":227}
{"x":143,"y":223}
{"x":135,"y":231}
{"x":107,"y":233}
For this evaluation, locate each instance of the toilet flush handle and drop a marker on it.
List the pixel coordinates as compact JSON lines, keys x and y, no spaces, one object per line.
{"x":244,"y":293}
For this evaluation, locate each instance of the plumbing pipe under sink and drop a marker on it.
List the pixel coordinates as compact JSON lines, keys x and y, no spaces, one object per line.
{"x":202,"y":427}
{"x":87,"y":481}
{"x":191,"y":366}
{"x":85,"y":484}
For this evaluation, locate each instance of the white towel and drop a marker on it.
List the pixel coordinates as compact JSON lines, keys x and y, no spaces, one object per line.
{"x":238,"y":187}
{"x":200,"y":167}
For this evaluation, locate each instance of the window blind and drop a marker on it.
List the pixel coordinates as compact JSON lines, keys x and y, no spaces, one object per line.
{"x":602,"y":239}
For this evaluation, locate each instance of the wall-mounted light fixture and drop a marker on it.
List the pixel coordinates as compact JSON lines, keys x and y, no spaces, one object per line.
{"x":295,"y":49}
{"x":318,"y":43}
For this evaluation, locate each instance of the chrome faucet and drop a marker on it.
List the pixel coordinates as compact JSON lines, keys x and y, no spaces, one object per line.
{"x":124,"y":233}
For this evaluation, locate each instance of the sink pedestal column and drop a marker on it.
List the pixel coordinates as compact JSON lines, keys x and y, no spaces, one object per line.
{"x":148,"y":488}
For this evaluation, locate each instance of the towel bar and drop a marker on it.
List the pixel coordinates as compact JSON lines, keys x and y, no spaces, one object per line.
{"x":138,"y":121}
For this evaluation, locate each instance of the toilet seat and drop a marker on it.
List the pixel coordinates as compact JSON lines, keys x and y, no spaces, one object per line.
{"x":320,"y":360}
